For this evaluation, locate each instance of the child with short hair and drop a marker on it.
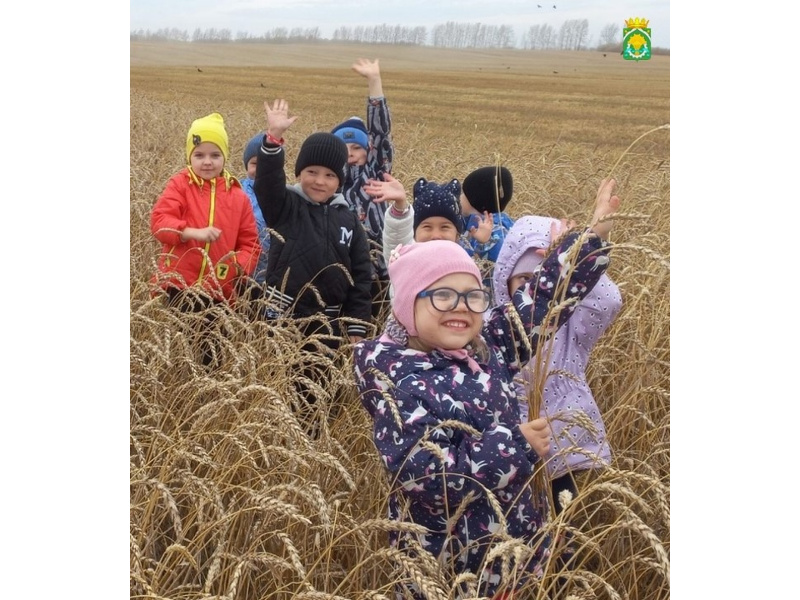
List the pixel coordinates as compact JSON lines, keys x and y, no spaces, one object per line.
{"x":575,"y":448}
{"x":370,"y":155}
{"x":438,"y":385}
{"x":319,"y":260}
{"x":204,"y":221}
{"x":250,"y":160}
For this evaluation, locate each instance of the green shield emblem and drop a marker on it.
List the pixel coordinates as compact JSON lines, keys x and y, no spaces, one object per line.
{"x":636,"y":40}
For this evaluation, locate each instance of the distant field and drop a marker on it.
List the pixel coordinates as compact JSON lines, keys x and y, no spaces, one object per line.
{"x":581,"y":98}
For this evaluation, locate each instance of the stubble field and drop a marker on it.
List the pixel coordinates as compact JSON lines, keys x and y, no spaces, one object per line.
{"x":230,"y":495}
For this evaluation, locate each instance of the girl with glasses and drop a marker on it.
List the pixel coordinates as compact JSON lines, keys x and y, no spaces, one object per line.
{"x":438,"y":385}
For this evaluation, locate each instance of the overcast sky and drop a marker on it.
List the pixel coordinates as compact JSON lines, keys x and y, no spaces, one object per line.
{"x":259,"y":16}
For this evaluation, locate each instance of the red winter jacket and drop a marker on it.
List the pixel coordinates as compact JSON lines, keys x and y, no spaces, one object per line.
{"x":189,"y":201}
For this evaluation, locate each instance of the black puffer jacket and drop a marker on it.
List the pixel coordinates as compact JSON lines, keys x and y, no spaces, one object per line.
{"x":316,"y":241}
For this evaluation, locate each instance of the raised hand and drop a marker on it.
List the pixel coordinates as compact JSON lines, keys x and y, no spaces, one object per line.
{"x":367,"y":68}
{"x":278,"y":119}
{"x":483,"y":231}
{"x":606,"y":204}
{"x":389,"y":190}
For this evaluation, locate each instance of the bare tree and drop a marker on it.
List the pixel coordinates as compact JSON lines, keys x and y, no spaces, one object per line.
{"x":608,"y":34}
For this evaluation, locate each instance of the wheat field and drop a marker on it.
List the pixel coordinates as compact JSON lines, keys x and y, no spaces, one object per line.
{"x":238,"y":489}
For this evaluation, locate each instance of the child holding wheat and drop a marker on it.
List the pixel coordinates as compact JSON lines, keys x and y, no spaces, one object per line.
{"x":578,"y":444}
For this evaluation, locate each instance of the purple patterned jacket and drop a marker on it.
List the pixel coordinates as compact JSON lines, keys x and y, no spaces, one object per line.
{"x":449,"y":437}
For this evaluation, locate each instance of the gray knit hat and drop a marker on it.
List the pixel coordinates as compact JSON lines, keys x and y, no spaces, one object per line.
{"x":252,"y":147}
{"x":323,"y":150}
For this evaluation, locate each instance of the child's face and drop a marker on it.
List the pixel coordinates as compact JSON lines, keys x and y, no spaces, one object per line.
{"x":436,"y":228}
{"x":466,"y":207}
{"x":515,"y":282}
{"x":251,"y":167}
{"x":207,"y":160}
{"x":449,"y":330}
{"x":356,"y":154}
{"x":318,"y":183}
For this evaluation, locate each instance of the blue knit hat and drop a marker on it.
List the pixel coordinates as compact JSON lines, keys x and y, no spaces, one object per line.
{"x":252,"y":147}
{"x":352,"y":131}
{"x":434,"y":200}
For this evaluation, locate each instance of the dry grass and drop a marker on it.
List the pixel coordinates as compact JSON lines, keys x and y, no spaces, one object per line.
{"x":230,"y":496}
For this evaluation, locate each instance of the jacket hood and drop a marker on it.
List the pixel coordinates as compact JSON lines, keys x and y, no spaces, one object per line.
{"x":531,"y":231}
{"x":337,"y":198}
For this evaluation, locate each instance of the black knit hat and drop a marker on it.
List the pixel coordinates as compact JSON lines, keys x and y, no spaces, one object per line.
{"x":434,"y":200}
{"x":489,"y":189}
{"x":323,"y":150}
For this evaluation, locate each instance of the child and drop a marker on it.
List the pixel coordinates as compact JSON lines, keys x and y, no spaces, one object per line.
{"x":435,"y":215}
{"x":317,"y":237}
{"x":486,"y":191}
{"x":206,"y":227}
{"x":370,"y":154}
{"x":250,"y":152}
{"x":438,"y":386}
{"x":203,"y":219}
{"x":574,"y":449}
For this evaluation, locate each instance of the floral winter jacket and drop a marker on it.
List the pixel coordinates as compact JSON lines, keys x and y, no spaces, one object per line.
{"x":380,"y":155}
{"x":420,"y":401}
{"x":565,"y":390}
{"x":190,"y":201}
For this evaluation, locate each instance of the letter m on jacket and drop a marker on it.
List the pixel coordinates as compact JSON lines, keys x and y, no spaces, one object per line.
{"x":347,"y":236}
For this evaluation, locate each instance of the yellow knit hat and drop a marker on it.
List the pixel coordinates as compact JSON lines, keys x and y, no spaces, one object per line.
{"x":210,"y":128}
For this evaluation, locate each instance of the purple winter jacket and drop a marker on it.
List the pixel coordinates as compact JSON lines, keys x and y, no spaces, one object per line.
{"x":569,"y":352}
{"x":449,"y":436}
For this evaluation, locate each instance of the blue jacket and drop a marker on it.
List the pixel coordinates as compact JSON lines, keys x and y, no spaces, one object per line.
{"x":260,"y":274}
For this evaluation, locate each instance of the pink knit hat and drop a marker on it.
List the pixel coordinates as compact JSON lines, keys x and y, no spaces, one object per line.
{"x":413,"y":268}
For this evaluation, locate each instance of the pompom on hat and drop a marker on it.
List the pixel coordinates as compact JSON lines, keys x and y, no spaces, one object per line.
{"x":434,"y":200}
{"x":489,"y":189}
{"x":252,"y":147}
{"x":210,"y":128}
{"x":352,"y":131}
{"x":415,"y":267}
{"x":323,"y":150}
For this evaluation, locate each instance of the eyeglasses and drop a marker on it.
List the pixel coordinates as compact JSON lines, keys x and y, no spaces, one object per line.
{"x":445,"y":299}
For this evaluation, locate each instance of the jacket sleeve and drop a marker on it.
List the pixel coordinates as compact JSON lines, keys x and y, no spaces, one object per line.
{"x":396,"y":231}
{"x":270,"y":184}
{"x":379,"y":126}
{"x":167,"y":219}
{"x":248,"y":244}
{"x":545,"y":303}
{"x":358,"y":304}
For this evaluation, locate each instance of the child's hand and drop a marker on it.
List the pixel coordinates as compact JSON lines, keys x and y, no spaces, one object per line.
{"x":205,"y":235}
{"x":605,"y":204}
{"x":483,"y":231}
{"x":367,"y":68}
{"x":538,"y":434}
{"x":278,"y":119}
{"x":389,"y":190}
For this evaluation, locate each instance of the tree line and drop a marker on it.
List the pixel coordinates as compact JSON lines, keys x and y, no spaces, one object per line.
{"x":572,"y":35}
